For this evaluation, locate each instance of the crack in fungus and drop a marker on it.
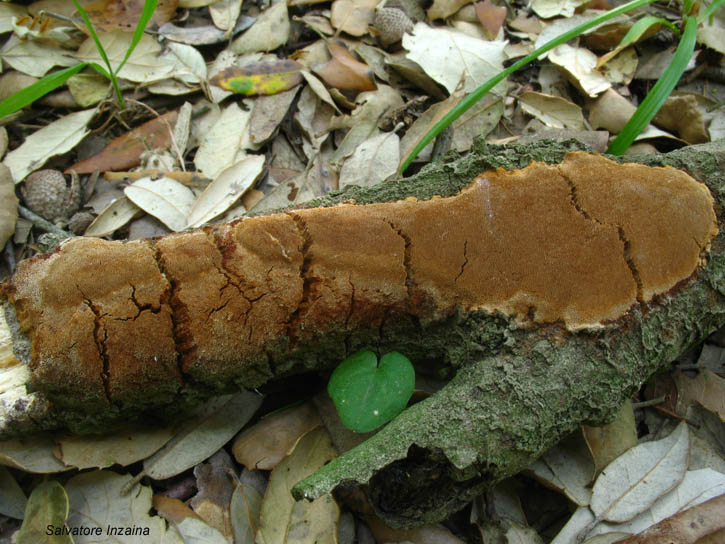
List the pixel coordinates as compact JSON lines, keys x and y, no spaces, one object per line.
{"x":294,"y":323}
{"x":100,"y":343}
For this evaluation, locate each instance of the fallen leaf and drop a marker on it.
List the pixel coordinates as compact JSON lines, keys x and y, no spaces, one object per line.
{"x":568,"y":468}
{"x":47,"y":507}
{"x":225,"y":13}
{"x":580,"y":66}
{"x":707,"y":389}
{"x":88,"y":89}
{"x":201,"y":436}
{"x":225,"y":190}
{"x":713,"y":35}
{"x":115,"y":216}
{"x":610,"y":441}
{"x":260,"y":78}
{"x":34,"y":58}
{"x":195,"y":531}
{"x":268,"y":113}
{"x":270,"y":31}
{"x":266,"y":443}
{"x":142,"y":66}
{"x":319,"y":89}
{"x":279,"y":508}
{"x":441,"y":9}
{"x":477,"y":122}
{"x":12,"y":498}
{"x":34,"y":454}
{"x":7,"y":13}
{"x":492,"y":17}
{"x":553,"y":111}
{"x":546,"y":9}
{"x":621,"y":69}
{"x":225,"y":142}
{"x":54,"y":139}
{"x":123,"y":447}
{"x":109,"y":15}
{"x":344,"y":72}
{"x":96,"y":501}
{"x":8,"y":205}
{"x":245,"y":507}
{"x":166,"y":199}
{"x":373,"y":161}
{"x":683,"y":115}
{"x":172,"y":509}
{"x":352,"y":16}
{"x":188,"y":66}
{"x":631,"y":483}
{"x":125,"y":151}
{"x":696,"y":487}
{"x":448,"y":56}
{"x":214,"y":491}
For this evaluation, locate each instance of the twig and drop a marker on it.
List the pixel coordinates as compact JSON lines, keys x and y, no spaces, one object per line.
{"x":41,"y":223}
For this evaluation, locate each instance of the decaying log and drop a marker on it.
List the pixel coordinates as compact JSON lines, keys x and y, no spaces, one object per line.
{"x":550,"y":292}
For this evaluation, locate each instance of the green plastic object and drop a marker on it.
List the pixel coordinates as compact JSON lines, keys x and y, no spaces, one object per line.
{"x":368,"y":394}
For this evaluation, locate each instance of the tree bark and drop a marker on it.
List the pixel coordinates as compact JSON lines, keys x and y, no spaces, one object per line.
{"x":527,"y":369}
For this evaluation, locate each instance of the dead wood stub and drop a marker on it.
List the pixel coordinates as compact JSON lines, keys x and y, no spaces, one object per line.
{"x":126,"y":327}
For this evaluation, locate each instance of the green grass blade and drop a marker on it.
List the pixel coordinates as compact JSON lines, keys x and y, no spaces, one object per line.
{"x":38,"y":89}
{"x":710,"y":11}
{"x":111,"y":74}
{"x":641,"y":26}
{"x":479,"y":93}
{"x":148,"y":12}
{"x":659,"y":93}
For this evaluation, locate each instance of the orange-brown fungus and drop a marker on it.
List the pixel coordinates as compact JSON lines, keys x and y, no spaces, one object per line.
{"x":578,"y":244}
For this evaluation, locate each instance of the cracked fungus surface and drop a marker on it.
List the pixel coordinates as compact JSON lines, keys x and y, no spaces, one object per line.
{"x":579,"y":243}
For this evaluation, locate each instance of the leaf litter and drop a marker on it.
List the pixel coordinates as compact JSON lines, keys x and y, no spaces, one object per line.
{"x":333,"y":111}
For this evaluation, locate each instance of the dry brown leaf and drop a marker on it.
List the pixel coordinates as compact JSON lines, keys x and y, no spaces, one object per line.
{"x":8,"y":205}
{"x":686,"y":527}
{"x":682,"y":114}
{"x":610,"y":441}
{"x":492,"y":17}
{"x":353,"y":16}
{"x":215,"y":485}
{"x":265,"y":444}
{"x":445,"y":8}
{"x":125,"y":151}
{"x":344,"y":72}
{"x":109,"y":15}
{"x":172,"y":509}
{"x":707,"y":389}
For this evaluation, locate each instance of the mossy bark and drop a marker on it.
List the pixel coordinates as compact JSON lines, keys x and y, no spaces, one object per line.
{"x":504,"y":408}
{"x":514,"y":392}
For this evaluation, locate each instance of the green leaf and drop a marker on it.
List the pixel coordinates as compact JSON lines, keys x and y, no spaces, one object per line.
{"x":481,"y":91}
{"x":710,"y":11}
{"x":47,"y":507}
{"x":640,"y":27}
{"x":38,"y":89}
{"x":367,"y":394}
{"x":659,"y":93}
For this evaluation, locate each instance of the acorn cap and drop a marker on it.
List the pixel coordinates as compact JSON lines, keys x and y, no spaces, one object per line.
{"x":391,"y":24}
{"x":46,"y":193}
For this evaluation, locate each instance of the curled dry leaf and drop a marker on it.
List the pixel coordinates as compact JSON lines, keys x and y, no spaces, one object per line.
{"x":125,"y":151}
{"x":344,"y":72}
{"x":12,"y":497}
{"x":260,"y":77}
{"x":271,"y":30}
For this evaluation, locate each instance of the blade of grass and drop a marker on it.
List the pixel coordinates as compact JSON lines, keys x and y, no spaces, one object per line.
{"x":477,"y":94}
{"x":148,"y":12}
{"x":38,"y":89}
{"x":101,"y":51}
{"x":641,"y":26}
{"x":710,"y":11}
{"x":661,"y":90}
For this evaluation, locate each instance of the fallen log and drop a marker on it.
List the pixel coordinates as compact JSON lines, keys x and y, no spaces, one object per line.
{"x":550,"y":293}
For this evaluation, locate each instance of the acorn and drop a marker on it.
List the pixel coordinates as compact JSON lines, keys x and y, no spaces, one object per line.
{"x":411,"y":8}
{"x":391,"y":24}
{"x":46,"y":193}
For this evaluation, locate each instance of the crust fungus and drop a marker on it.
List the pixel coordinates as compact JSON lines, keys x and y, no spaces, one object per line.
{"x":576,"y":244}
